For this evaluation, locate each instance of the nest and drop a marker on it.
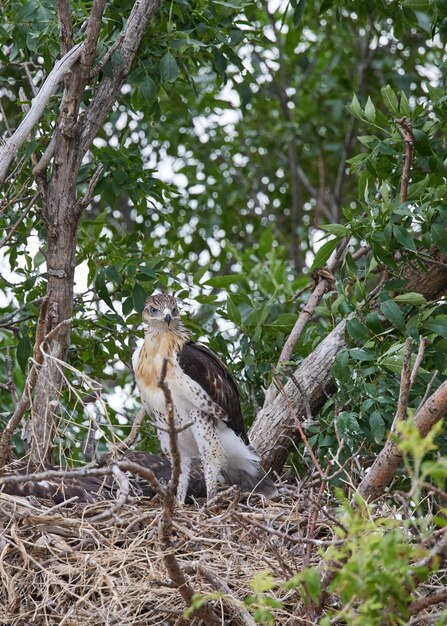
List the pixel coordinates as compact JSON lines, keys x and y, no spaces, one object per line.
{"x":76,"y":565}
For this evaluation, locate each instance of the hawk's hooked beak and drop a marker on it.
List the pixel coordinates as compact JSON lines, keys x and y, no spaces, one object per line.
{"x":168,"y":319}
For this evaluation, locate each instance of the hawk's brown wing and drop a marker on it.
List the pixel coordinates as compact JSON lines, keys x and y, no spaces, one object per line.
{"x":207,"y":369}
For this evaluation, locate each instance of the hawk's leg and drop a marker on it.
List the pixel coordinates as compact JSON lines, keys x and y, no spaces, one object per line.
{"x":185,"y":470}
{"x":211,"y":450}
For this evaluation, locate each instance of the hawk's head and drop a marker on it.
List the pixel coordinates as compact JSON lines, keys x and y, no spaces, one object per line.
{"x":161,"y":312}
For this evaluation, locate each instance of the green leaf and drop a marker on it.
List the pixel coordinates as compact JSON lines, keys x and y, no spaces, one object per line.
{"x":393,"y":314}
{"x":284,"y":321}
{"x":139,"y":296}
{"x":370,"y":111}
{"x":439,"y":234}
{"x":168,"y":68}
{"x":372,"y":320}
{"x":222,"y":281}
{"x":360,"y":354}
{"x":422,"y":142}
{"x":265,"y":242}
{"x":355,"y":108}
{"x":412,"y":297}
{"x":23,"y":351}
{"x":390,"y":99}
{"x":438,"y":326}
{"x":101,"y":288}
{"x":377,"y":425}
{"x":335,"y":229}
{"x":340,"y":368}
{"x":148,"y":89}
{"x":404,"y":107}
{"x":404,"y":237}
{"x":357,"y":331}
{"x":262,"y":582}
{"x":324,"y":253}
{"x":199,"y":274}
{"x":312,"y":579}
{"x":233,"y":312}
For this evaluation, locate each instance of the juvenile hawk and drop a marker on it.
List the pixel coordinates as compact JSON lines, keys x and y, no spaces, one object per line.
{"x":204,"y":393}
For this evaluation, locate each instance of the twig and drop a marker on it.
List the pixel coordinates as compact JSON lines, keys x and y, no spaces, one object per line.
{"x":389,"y":458}
{"x":427,"y":391}
{"x":324,"y":281}
{"x":170,"y":561}
{"x":246,"y":522}
{"x":423,"y":603}
{"x":87,"y":197}
{"x":65,"y":25}
{"x":134,"y":431}
{"x":5,"y":240}
{"x":108,"y":55}
{"x":405,"y":385}
{"x":312,"y":522}
{"x":300,"y":430}
{"x":120,"y":501}
{"x":238,"y":609}
{"x":12,"y":144}
{"x":418,"y":361}
{"x":406,"y":130}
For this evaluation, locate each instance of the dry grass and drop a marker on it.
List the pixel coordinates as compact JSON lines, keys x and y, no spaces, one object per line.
{"x":58,"y":567}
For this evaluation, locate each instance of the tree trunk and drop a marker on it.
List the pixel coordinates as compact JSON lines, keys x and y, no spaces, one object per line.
{"x":63,"y":210}
{"x":62,"y":222}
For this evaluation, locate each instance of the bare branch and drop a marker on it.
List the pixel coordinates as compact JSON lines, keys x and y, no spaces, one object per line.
{"x":423,"y":603}
{"x":418,"y":361}
{"x":390,"y":457}
{"x":134,"y":431}
{"x":11,"y":146}
{"x":170,"y":561}
{"x":120,"y":501}
{"x":405,"y":385}
{"x":14,"y":228}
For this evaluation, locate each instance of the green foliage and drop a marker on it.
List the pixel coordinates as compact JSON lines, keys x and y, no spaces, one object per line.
{"x":221,"y":99}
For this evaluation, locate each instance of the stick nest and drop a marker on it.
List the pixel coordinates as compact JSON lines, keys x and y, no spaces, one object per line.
{"x":59,"y":567}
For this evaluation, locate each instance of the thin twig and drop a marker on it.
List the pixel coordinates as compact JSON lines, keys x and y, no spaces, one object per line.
{"x":14,"y":228}
{"x":406,"y":130}
{"x":170,"y":561}
{"x":405,"y":385}
{"x":418,"y":361}
{"x":423,"y":603}
{"x":301,"y":430}
{"x":134,"y":431}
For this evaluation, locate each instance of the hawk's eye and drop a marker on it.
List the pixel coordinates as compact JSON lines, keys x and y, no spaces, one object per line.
{"x":153,"y":310}
{"x":175,"y":311}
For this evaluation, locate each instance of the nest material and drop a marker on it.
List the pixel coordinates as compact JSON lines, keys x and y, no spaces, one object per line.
{"x":59,"y":567}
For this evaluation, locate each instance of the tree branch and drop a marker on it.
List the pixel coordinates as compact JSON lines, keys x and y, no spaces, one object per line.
{"x":12,"y":144}
{"x":390,"y":457}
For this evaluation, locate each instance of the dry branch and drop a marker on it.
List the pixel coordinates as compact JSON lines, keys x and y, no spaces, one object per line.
{"x":12,"y":144}
{"x":390,"y":457}
{"x":170,"y":560}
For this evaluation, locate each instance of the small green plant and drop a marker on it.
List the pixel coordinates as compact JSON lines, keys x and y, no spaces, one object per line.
{"x":262,"y":601}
